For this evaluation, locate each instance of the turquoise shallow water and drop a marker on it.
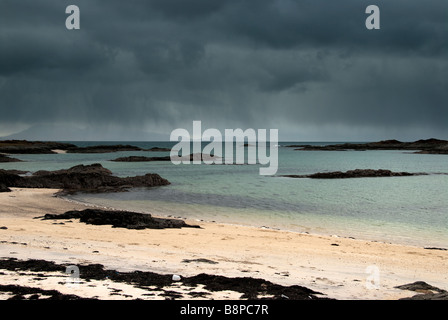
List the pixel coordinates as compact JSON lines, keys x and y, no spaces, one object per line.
{"x":409,"y":210}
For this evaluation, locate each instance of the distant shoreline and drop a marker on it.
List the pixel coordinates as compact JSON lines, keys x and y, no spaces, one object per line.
{"x":431,"y":146}
{"x":428,"y":146}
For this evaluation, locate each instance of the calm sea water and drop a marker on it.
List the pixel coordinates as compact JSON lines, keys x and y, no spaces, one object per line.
{"x":409,"y":210}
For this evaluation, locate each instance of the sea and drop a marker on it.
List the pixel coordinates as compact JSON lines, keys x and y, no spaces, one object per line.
{"x":410,"y":210}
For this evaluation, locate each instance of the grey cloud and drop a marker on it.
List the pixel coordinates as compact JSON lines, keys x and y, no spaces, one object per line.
{"x":164,"y":63}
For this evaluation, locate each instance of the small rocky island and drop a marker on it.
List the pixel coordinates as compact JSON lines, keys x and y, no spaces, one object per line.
{"x":357,"y":173}
{"x":158,"y":149}
{"x":85,"y":178}
{"x":103,"y":149}
{"x":428,"y":146}
{"x":141,"y":159}
{"x":191,"y":157}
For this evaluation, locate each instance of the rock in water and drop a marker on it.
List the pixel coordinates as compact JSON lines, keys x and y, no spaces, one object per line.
{"x":5,"y":158}
{"x":32,"y":147}
{"x":357,"y":173}
{"x":432,"y":146}
{"x":90,"y":178}
{"x":141,"y":159}
{"x":103,"y":149}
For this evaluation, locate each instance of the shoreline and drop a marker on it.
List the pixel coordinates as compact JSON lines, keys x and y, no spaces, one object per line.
{"x":334,"y":266}
{"x":281,"y":228}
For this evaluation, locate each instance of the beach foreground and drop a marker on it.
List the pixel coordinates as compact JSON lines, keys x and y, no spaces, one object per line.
{"x":339,"y":268}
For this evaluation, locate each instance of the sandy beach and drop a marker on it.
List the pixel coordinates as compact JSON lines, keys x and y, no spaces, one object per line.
{"x":339,"y":268}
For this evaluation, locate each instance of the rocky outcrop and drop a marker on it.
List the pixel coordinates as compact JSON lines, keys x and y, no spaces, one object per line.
{"x":5,"y":158}
{"x":436,"y":149}
{"x":162,"y":284}
{"x":90,"y":178}
{"x":434,"y":146}
{"x":4,"y":188}
{"x":120,"y":219}
{"x":358,"y":173}
{"x":7,"y":177}
{"x":32,"y":147}
{"x":191,"y":157}
{"x":200,"y":156}
{"x":141,"y":159}
{"x":425,"y":291}
{"x":13,"y":171}
{"x":159,"y":149}
{"x":103,"y":149}
{"x":40,"y":147}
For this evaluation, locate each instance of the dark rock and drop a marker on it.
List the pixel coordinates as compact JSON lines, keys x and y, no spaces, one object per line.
{"x":120,"y":219}
{"x":200,"y":156}
{"x":4,"y":188}
{"x":191,"y":157}
{"x":158,"y":149}
{"x":90,"y":178}
{"x":32,"y":147}
{"x":5,"y":158}
{"x":429,"y":296}
{"x":433,"y":146}
{"x":419,"y":286}
{"x":200,"y":260}
{"x":435,"y":248}
{"x":13,"y":171}
{"x":103,"y":149}
{"x":357,"y":173}
{"x":141,"y":159}
{"x":19,"y":293}
{"x":251,"y":288}
{"x":426,"y":291}
{"x":40,"y":147}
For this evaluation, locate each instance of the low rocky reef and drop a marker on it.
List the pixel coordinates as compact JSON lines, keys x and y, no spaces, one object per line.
{"x":42,"y":147}
{"x":430,"y":146}
{"x":5,"y":158}
{"x":159,"y":149}
{"x":103,"y":149}
{"x":357,"y":173}
{"x":32,"y":147}
{"x":85,"y":178}
{"x":191,"y":157}
{"x":425,"y":291}
{"x":141,"y":159}
{"x":250,"y":288}
{"x":120,"y":219}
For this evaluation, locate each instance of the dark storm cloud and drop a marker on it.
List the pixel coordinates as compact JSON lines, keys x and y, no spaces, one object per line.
{"x":161,"y":64}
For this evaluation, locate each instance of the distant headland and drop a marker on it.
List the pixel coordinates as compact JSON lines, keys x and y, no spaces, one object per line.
{"x":428,"y":146}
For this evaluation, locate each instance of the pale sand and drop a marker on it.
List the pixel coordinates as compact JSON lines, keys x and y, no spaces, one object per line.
{"x":59,"y":151}
{"x":282,"y":257}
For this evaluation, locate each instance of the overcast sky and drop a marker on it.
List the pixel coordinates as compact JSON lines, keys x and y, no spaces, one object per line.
{"x":309,"y":68}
